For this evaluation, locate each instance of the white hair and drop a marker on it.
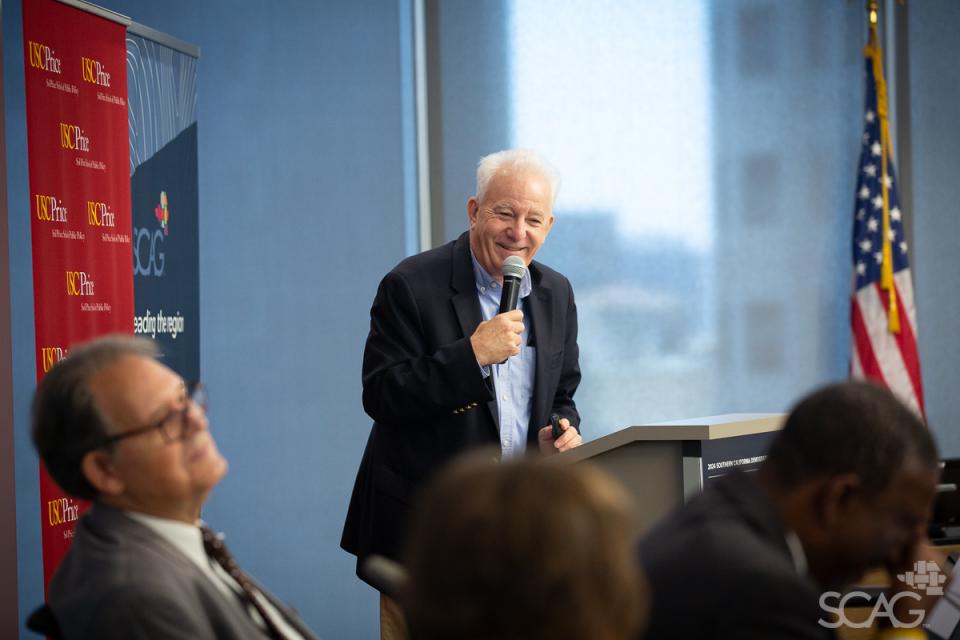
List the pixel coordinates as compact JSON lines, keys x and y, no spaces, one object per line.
{"x":525,"y":160}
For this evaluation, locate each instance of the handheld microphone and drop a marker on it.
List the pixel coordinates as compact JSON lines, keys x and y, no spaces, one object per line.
{"x":513,"y":269}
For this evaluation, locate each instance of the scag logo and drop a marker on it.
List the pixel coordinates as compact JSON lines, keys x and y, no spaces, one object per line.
{"x":926,"y":577}
{"x":50,"y":356}
{"x":79,"y":283}
{"x":94,"y":72}
{"x":162,"y":213}
{"x":42,"y":57}
{"x":62,"y":511}
{"x":883,"y":608}
{"x":71,"y":137}
{"x":148,"y":256}
{"x":49,"y":209}
{"x":100,"y":215}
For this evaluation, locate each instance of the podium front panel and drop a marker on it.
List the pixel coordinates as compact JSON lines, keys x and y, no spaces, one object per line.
{"x":652,"y":473}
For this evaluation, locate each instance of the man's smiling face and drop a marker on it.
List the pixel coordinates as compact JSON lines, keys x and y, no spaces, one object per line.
{"x":513,"y":219}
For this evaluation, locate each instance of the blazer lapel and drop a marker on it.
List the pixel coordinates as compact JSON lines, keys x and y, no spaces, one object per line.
{"x":466,"y":305}
{"x":538,"y":305}
{"x":108,"y":521}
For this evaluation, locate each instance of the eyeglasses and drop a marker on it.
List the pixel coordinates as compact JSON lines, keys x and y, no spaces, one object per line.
{"x":175,"y":425}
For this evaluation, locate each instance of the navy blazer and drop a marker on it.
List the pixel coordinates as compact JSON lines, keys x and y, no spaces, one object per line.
{"x":424,"y":389}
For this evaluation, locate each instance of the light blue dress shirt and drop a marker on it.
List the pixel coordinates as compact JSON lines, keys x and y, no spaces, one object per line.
{"x":512,"y":380}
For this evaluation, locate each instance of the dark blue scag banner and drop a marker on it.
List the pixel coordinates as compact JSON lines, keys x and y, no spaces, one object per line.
{"x":163,"y":179}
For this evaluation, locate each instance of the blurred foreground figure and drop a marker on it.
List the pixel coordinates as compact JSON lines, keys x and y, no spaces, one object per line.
{"x":847,"y":486}
{"x":523,"y":550}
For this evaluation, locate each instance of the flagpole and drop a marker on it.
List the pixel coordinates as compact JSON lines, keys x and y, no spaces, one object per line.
{"x":872,"y":50}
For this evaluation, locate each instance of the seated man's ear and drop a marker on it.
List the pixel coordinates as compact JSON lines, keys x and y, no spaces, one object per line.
{"x":98,"y":468}
{"x":837,"y":495}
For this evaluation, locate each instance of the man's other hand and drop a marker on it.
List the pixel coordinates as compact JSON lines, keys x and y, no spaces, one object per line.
{"x":569,"y":439}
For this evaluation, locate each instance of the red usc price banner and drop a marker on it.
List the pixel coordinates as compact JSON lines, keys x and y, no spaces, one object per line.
{"x":79,"y":161}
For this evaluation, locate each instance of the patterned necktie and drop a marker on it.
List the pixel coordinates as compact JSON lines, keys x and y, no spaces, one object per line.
{"x":218,"y":551}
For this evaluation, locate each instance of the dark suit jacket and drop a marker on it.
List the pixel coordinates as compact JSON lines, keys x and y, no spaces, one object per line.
{"x":424,"y":389}
{"x":720,"y":568}
{"x":120,"y":580}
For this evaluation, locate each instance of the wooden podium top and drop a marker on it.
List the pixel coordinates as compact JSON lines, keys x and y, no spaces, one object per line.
{"x":728,"y":425}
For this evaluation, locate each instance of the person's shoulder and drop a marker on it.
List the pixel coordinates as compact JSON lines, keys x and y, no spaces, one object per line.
{"x":103,"y":595}
{"x":709,"y":558}
{"x":426,"y":264}
{"x":149,"y":608}
{"x":548,"y":278}
{"x":546,"y":274}
{"x":711,"y":530}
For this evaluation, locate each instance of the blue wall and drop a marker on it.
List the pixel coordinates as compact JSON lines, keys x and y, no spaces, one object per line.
{"x":934,"y":96}
{"x":302,"y":192}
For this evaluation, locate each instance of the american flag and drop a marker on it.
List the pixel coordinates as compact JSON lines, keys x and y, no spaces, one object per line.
{"x":883,"y":315}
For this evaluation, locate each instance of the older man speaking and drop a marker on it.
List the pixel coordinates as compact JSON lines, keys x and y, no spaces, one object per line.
{"x":444,"y":371}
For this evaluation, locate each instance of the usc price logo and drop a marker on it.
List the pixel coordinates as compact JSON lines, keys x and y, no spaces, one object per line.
{"x":100,"y":215}
{"x":94,"y":72}
{"x":71,"y":137}
{"x":62,"y":511}
{"x":49,"y":209}
{"x":42,"y":57}
{"x":79,"y":283}
{"x":50,"y":356}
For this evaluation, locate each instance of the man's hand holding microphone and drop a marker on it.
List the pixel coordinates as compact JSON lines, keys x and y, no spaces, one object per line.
{"x":499,"y":338}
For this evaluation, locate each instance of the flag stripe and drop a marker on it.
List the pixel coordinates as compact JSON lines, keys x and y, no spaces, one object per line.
{"x":856,"y":371}
{"x":869,"y":367}
{"x":906,"y":339}
{"x":891,"y":369}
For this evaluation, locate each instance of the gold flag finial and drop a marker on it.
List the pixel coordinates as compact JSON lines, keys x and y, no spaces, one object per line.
{"x":875,"y":54}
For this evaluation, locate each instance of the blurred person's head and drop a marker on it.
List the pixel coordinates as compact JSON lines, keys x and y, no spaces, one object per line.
{"x":523,"y":550}
{"x":114,"y":425}
{"x":512,"y":211}
{"x":854,"y":474}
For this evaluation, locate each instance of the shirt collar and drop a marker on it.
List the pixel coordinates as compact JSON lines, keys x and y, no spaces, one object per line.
{"x":485,"y":281}
{"x":187,"y":538}
{"x":796,"y":552}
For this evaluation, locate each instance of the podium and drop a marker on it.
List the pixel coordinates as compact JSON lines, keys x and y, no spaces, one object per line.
{"x":661,"y":465}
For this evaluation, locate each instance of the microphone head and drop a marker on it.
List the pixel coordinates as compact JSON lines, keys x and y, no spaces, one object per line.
{"x":513,"y":267}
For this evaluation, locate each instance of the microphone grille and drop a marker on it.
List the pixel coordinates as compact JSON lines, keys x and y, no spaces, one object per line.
{"x":513,"y":267}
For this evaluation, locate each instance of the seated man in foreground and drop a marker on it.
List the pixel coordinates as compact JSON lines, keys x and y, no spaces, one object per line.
{"x":847,"y":486}
{"x":114,"y":426}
